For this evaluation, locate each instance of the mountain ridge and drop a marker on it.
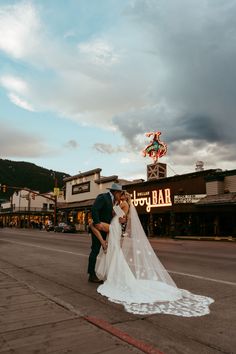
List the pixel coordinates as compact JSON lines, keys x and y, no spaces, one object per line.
{"x":27,"y":175}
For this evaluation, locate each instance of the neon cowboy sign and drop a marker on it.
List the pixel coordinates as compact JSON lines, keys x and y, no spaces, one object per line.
{"x":152,"y":199}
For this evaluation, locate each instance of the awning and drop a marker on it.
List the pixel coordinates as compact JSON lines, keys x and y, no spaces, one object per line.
{"x":218,"y":199}
{"x":79,"y":205}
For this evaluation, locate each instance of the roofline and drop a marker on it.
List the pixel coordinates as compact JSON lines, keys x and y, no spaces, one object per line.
{"x":176,"y":177}
{"x":106,"y":179}
{"x":83,"y":174}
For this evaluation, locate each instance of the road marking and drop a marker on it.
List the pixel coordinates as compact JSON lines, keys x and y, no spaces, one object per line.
{"x":85,"y":255}
{"x":45,"y":248}
{"x":204,"y":278}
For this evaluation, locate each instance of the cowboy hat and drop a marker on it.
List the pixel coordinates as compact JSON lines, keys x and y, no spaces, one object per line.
{"x":115,"y":187}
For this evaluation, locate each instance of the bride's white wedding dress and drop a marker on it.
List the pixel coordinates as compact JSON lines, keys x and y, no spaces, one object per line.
{"x":134,"y":276}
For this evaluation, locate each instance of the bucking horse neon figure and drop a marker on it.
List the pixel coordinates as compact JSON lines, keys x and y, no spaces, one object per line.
{"x":156,"y":148}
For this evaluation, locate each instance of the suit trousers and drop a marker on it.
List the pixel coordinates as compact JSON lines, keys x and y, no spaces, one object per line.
{"x":95,"y":248}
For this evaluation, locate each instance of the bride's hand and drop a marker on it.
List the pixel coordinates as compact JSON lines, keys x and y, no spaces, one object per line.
{"x":122,"y":220}
{"x":104,"y":246}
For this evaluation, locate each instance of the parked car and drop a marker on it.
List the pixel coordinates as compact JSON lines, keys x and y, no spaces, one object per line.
{"x":49,"y":227}
{"x":64,"y":227}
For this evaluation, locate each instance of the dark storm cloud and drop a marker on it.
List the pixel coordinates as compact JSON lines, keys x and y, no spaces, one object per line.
{"x":198,"y":128}
{"x":194,"y":43}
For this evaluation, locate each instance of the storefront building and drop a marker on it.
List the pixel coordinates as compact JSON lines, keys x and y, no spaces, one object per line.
{"x":202,"y":203}
{"x":29,"y":209}
{"x":80,"y":193}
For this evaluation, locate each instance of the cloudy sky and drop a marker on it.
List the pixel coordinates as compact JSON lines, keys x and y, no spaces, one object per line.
{"x":82,"y":81}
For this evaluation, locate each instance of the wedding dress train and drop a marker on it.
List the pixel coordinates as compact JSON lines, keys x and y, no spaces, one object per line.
{"x":134,"y":277}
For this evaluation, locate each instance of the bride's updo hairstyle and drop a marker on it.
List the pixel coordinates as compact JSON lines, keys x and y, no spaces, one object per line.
{"x":128,"y":200}
{"x":127,"y":197}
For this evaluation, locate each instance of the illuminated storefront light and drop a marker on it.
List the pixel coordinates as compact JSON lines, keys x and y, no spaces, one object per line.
{"x":152,"y":199}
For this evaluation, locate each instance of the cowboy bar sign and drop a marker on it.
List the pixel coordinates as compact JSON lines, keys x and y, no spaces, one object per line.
{"x":152,"y":199}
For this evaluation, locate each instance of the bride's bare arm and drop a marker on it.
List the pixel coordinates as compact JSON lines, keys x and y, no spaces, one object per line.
{"x":124,"y":206}
{"x":102,"y":226}
{"x":96,"y":231}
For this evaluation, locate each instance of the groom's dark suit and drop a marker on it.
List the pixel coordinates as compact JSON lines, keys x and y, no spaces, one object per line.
{"x":101,"y":212}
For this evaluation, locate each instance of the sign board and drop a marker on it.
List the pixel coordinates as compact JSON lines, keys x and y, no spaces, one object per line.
{"x":56,"y":191}
{"x":188,"y":198}
{"x":81,"y":188}
{"x":152,"y":199}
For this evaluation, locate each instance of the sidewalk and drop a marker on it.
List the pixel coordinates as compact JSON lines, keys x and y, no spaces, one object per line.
{"x":206,"y":238}
{"x":194,"y":238}
{"x":30,"y":322}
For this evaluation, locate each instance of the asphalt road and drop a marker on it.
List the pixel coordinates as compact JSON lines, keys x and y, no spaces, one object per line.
{"x":56,"y":265}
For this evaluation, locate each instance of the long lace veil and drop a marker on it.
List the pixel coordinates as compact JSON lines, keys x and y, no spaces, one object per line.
{"x":139,"y":254}
{"x":137,"y":279}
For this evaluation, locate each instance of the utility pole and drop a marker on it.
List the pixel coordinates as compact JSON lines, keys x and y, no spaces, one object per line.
{"x":55,"y":192}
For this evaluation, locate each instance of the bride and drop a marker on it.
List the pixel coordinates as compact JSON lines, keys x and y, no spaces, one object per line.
{"x":134,"y":277}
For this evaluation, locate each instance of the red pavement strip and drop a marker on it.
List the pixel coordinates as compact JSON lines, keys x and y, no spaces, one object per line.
{"x":146,"y":348}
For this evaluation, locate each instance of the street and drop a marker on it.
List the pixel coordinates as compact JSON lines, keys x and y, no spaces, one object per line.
{"x":55,"y":264}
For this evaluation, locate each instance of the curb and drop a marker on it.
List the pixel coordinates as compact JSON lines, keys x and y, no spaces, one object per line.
{"x":206,"y":238}
{"x":193,"y":238}
{"x":106,"y":326}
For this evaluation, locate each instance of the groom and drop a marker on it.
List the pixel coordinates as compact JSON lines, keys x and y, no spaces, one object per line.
{"x":101,"y":212}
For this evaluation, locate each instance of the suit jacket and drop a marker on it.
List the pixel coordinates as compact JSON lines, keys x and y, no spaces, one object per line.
{"x":102,"y":208}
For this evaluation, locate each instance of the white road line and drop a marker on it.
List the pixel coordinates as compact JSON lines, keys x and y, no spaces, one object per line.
{"x":204,"y":278}
{"x":85,"y":255}
{"x":45,"y":248}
